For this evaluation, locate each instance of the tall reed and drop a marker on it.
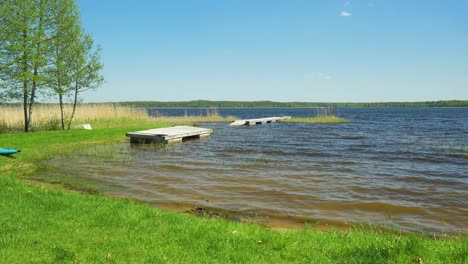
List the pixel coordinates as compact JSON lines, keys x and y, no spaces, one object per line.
{"x":47,"y":117}
{"x":323,"y":112}
{"x":323,"y":115}
{"x":211,"y":115}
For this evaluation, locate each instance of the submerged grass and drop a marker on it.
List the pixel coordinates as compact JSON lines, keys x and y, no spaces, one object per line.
{"x":41,"y":223}
{"x":316,"y":120}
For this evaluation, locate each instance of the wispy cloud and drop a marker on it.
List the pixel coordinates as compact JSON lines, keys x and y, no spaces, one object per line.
{"x":345,"y":14}
{"x":323,"y":76}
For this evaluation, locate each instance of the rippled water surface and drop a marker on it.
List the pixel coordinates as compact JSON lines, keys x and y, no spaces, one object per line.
{"x":403,"y":168}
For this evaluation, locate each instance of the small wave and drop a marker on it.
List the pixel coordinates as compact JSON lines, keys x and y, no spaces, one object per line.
{"x":354,"y":137}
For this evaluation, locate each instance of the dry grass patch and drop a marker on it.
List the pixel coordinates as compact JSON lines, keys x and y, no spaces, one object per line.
{"x":178,"y":120}
{"x":211,"y":116}
{"x":47,"y":117}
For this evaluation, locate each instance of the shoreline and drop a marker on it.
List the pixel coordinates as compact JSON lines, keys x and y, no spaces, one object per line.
{"x":48,"y":222}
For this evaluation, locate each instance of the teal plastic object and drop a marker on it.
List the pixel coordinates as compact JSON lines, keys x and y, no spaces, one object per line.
{"x":6,"y":151}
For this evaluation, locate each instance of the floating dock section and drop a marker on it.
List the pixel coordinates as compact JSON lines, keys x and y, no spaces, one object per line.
{"x":169,"y":134}
{"x":258,"y":121}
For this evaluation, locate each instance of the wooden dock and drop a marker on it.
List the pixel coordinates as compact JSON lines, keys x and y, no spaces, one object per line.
{"x":169,"y":134}
{"x":258,"y":121}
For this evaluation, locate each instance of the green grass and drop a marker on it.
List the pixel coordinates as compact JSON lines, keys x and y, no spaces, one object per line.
{"x":45,"y":144}
{"x":316,"y":120}
{"x":44,"y":223}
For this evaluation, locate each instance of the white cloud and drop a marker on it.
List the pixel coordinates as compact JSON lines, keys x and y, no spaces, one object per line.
{"x":345,"y":14}
{"x":323,"y":76}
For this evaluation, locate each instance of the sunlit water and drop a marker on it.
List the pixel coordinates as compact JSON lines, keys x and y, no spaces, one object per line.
{"x":400,"y":168}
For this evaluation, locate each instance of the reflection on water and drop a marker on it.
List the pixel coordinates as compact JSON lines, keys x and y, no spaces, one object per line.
{"x":401,"y":168}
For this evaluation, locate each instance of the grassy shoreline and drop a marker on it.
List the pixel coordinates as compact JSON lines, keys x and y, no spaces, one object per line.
{"x":44,"y":222}
{"x":47,"y":117}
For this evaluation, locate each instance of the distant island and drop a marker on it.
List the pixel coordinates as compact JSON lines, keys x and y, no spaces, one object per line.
{"x":268,"y":104}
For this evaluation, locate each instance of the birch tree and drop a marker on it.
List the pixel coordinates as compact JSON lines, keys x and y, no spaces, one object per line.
{"x":24,"y":51}
{"x":16,"y":60}
{"x":42,"y":44}
{"x":66,"y":34}
{"x":75,"y":62}
{"x":86,"y":68}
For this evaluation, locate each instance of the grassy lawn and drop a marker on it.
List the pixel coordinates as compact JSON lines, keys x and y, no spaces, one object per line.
{"x":43,"y":223}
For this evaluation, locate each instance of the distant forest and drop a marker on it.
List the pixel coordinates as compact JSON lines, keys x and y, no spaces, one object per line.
{"x":268,"y":104}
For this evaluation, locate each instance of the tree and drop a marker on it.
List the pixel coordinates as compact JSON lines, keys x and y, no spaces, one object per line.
{"x":16,"y":51}
{"x":66,"y":33}
{"x":23,"y":51}
{"x":40,"y":51}
{"x":86,"y":69}
{"x":76,"y":62}
{"x":42,"y":44}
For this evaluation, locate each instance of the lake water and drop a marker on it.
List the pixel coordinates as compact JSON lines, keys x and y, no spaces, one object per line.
{"x":402,"y":168}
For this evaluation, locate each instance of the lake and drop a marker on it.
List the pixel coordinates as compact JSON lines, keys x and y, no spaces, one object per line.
{"x":401,"y":168}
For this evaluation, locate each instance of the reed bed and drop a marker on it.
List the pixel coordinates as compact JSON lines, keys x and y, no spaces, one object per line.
{"x":316,"y":120}
{"x":211,"y":115}
{"x":323,"y":115}
{"x":47,"y":117}
{"x":180,"y":120}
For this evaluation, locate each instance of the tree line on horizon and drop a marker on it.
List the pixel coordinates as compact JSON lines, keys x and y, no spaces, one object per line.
{"x":267,"y":104}
{"x":44,"y":53}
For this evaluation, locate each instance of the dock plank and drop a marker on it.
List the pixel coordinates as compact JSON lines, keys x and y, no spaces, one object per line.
{"x":168,"y":134}
{"x":258,"y":121}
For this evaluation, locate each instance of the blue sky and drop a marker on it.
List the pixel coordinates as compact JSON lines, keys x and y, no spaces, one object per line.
{"x":288,"y":50}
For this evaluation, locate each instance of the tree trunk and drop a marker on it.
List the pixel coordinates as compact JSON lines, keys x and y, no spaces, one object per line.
{"x":25,"y":84}
{"x":33,"y":95}
{"x":25,"y":106}
{"x":61,"y":111}
{"x":75,"y":101}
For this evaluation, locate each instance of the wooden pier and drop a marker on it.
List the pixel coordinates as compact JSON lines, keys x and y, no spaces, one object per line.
{"x":258,"y":121}
{"x":169,"y":134}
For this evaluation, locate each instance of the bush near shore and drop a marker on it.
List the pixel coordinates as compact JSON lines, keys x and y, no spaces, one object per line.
{"x":44,"y":222}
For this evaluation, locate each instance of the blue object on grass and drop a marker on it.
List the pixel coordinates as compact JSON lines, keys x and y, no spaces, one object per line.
{"x":6,"y":152}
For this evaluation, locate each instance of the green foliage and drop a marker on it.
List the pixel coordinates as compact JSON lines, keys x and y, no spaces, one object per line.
{"x":20,"y":51}
{"x":75,"y":65}
{"x":42,"y":45}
